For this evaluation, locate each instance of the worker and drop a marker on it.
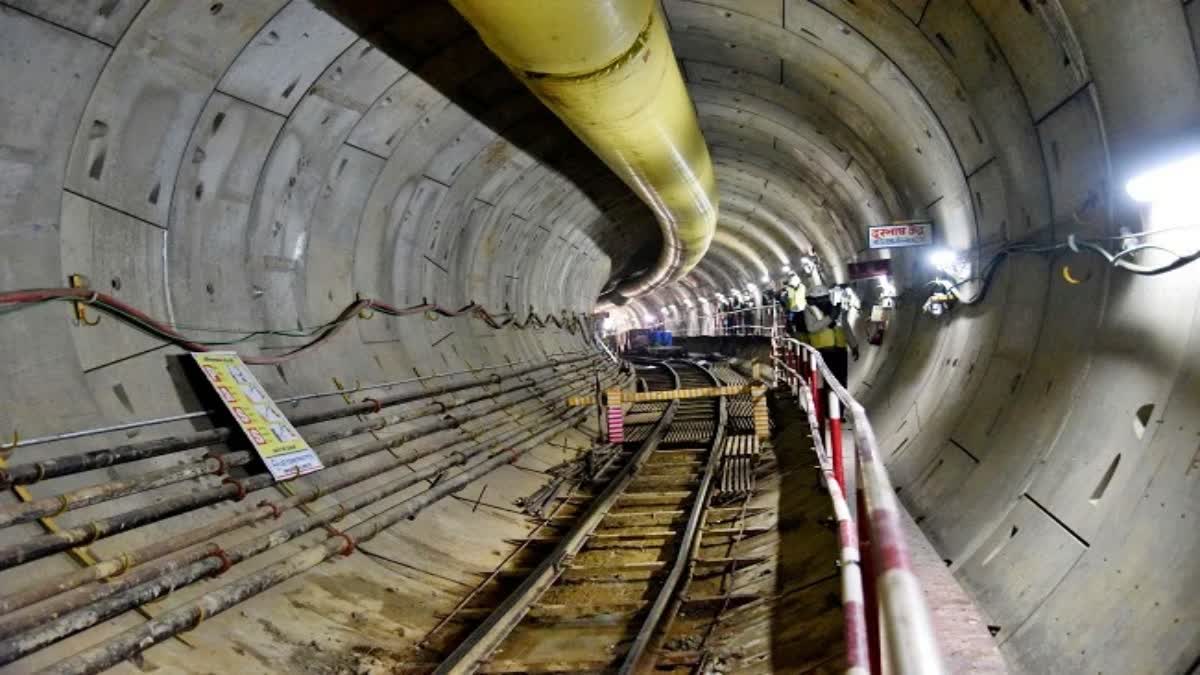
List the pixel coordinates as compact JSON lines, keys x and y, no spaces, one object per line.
{"x":826,"y":319}
{"x":794,"y":301}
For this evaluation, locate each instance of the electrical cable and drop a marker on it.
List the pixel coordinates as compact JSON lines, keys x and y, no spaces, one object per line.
{"x":1074,"y":245}
{"x":14,"y":301}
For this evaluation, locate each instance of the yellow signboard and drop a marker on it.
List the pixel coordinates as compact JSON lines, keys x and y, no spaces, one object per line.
{"x":285,"y":453}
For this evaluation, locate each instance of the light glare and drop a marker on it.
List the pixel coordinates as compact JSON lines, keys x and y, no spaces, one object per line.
{"x":1169,"y":182}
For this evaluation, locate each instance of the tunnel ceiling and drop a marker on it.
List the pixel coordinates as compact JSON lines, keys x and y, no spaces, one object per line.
{"x":262,"y":163}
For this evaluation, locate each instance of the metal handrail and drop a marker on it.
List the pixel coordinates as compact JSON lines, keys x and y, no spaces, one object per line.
{"x":885,"y":573}
{"x":713,"y":325}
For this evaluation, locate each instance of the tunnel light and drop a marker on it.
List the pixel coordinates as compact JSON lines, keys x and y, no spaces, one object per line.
{"x":766,"y":278}
{"x":1169,"y":182}
{"x":752,"y":287}
{"x":942,"y":258}
{"x":787,"y":269}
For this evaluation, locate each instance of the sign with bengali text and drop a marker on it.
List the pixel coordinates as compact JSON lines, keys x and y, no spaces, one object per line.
{"x":898,"y":235}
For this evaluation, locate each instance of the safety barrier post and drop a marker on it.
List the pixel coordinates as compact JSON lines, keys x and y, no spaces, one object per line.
{"x":835,"y":439}
{"x":762,"y":419}
{"x":867,"y":563}
{"x":616,"y":417}
{"x":815,"y":383}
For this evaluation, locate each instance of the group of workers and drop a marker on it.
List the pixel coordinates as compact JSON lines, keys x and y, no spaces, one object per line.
{"x":818,"y":314}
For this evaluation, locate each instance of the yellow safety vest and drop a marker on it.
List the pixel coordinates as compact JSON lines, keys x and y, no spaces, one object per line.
{"x":796,"y":302}
{"x":827,"y":338}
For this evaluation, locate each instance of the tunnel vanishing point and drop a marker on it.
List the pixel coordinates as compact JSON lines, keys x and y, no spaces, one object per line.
{"x":451,"y":336}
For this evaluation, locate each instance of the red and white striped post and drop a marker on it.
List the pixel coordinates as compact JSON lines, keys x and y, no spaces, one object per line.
{"x":815,"y":382}
{"x":800,"y":358}
{"x":835,"y":439}
{"x":615,"y":416}
{"x":867,"y":567}
{"x":853,"y":608}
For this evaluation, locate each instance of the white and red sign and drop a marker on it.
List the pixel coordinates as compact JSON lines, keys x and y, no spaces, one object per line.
{"x":899,"y":235}
{"x":272,"y":435}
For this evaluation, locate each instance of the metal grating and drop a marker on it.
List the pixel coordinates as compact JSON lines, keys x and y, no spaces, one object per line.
{"x":691,"y":432}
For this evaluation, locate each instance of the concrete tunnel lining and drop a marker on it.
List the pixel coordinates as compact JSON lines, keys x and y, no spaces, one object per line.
{"x":251,"y":164}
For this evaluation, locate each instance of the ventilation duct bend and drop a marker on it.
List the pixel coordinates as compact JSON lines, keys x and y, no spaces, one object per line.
{"x":606,"y":68}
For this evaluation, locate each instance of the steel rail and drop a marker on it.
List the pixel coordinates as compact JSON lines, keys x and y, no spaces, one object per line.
{"x":94,"y":494}
{"x":127,"y":594}
{"x":186,"y":617}
{"x":47,"y":611}
{"x":911,"y":645}
{"x":32,"y":472}
{"x":486,"y":637}
{"x":181,"y":417}
{"x":50,"y":543}
{"x":688,"y":545}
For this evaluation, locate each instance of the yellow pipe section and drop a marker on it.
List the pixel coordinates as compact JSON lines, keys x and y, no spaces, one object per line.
{"x":606,"y":68}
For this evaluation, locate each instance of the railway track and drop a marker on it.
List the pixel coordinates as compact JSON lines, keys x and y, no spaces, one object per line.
{"x":626,"y":572}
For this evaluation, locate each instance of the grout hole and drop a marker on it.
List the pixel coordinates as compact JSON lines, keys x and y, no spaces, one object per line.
{"x":1141,"y":419}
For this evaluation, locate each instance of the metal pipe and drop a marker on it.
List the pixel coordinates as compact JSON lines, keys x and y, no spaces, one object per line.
{"x":126,"y":594}
{"x":13,"y":622}
{"x":16,"y":622}
{"x":32,"y":472}
{"x":95,"y":494}
{"x":54,"y":542}
{"x":139,"y":424}
{"x":606,"y":68}
{"x":130,"y":642}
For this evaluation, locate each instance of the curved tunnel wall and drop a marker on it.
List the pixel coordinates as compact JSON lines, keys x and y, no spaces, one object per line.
{"x":259,"y":163}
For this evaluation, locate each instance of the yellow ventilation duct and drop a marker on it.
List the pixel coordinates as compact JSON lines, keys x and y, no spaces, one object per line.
{"x":606,"y":68}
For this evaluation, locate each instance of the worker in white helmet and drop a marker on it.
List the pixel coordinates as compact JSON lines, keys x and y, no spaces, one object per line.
{"x":826,"y":318}
{"x":794,"y":301}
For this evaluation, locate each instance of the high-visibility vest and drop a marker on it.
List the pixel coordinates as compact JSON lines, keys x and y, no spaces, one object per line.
{"x":796,"y":301}
{"x":827,"y":338}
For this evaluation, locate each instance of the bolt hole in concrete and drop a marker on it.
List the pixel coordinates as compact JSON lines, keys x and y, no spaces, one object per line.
{"x":116,"y":283}
{"x":216,"y":8}
{"x":1141,"y":419}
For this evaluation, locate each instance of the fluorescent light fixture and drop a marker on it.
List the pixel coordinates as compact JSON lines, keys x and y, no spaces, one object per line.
{"x":1169,"y":182}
